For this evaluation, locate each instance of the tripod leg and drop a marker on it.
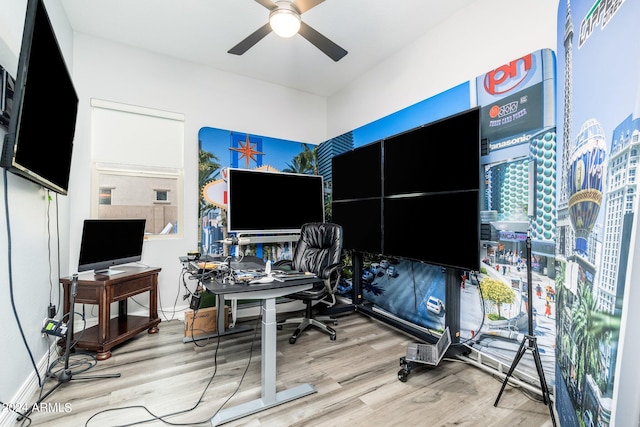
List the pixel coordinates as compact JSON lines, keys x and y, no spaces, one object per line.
{"x":543,"y":382}
{"x":521,"y":350}
{"x":95,"y":377}
{"x":546,"y":397}
{"x":37,"y":403}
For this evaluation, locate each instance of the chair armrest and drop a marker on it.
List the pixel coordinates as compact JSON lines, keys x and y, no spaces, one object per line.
{"x":329,"y":270}
{"x":283,"y":263}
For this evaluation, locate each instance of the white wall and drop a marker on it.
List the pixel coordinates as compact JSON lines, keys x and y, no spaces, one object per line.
{"x":38,"y":227}
{"x":476,"y":40}
{"x":482,"y":39}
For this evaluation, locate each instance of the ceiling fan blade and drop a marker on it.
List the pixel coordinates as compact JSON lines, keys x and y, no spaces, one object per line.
{"x":252,"y":39}
{"x":267,"y":3}
{"x":331,"y":49}
{"x":304,"y":5}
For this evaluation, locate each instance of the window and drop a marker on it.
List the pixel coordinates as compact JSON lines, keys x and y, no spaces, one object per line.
{"x":104,"y":196}
{"x":133,"y":193}
{"x":162,"y":195}
{"x":138,"y":166}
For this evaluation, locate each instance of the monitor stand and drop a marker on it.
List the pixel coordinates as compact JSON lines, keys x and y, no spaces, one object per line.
{"x":107,"y":272}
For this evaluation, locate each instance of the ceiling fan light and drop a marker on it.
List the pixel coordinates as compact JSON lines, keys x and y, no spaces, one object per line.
{"x":284,"y":22}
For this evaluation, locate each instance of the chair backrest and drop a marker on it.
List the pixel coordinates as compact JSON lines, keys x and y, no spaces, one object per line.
{"x":319,"y":246}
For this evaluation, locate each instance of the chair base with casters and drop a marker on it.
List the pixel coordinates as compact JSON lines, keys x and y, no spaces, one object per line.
{"x":308,"y":319}
{"x":318,"y":251}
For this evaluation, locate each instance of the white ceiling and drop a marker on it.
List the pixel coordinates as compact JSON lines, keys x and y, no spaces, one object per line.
{"x":202,"y":31}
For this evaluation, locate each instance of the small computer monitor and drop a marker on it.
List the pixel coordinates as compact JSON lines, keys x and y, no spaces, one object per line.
{"x":110,"y":242}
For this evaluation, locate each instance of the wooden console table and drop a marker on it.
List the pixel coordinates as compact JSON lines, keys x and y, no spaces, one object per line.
{"x":103,"y":290}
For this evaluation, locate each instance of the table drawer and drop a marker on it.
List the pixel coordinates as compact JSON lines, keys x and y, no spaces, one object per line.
{"x":129,"y":288}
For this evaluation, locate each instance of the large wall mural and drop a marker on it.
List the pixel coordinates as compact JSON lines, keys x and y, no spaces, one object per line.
{"x":517,"y":101}
{"x":597,"y":199}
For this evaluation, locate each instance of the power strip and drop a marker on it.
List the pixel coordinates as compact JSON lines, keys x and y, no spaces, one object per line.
{"x":54,"y":327}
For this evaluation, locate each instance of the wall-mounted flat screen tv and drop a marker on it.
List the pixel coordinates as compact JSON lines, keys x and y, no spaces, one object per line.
{"x":39,"y":140}
{"x":272,"y":202}
{"x":107,"y":243}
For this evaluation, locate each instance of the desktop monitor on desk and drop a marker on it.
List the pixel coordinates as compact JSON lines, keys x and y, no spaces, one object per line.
{"x":272,"y":202}
{"x":109,"y":242}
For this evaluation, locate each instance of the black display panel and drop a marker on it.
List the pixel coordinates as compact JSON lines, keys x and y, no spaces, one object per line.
{"x":39,"y":142}
{"x":439,"y":156}
{"x":109,"y":242}
{"x":261,"y":201}
{"x":361,"y":222}
{"x":440,"y":228}
{"x":358,"y":173}
{"x":429,"y":204}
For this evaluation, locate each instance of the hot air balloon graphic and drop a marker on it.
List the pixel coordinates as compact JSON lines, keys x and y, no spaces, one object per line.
{"x":585,"y":180}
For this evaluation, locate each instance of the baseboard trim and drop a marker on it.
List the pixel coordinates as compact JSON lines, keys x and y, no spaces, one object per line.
{"x":23,"y":396}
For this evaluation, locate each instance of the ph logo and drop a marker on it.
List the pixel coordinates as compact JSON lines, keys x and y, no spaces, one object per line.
{"x":509,"y":76}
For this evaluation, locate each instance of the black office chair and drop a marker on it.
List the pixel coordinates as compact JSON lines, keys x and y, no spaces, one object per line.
{"x":318,"y":251}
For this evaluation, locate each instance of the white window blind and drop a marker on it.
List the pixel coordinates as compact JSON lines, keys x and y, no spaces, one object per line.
{"x":127,"y":134}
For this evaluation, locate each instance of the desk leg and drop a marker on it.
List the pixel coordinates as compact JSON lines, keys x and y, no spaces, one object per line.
{"x":104,"y":323}
{"x":122,"y":309}
{"x":153,"y":305}
{"x":269,"y":337}
{"x":269,"y":398}
{"x":66,"y":310}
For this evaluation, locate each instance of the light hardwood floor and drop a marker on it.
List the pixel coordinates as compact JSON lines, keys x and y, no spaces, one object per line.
{"x":355,"y":377}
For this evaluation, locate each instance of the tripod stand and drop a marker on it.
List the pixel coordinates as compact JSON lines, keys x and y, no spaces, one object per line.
{"x":66,"y":375}
{"x":529,"y":342}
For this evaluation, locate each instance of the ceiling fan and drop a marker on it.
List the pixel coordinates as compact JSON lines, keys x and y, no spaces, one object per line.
{"x":289,"y":11}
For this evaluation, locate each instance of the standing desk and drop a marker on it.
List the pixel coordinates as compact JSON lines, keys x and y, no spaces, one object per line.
{"x":267,"y":292}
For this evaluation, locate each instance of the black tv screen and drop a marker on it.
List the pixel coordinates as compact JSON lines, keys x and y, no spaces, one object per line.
{"x":358,"y":173}
{"x":439,"y":156}
{"x":361,"y":222}
{"x":428,"y":209}
{"x":109,"y":242}
{"x":39,"y":141}
{"x":272,"y":202}
{"x":438,"y":228}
